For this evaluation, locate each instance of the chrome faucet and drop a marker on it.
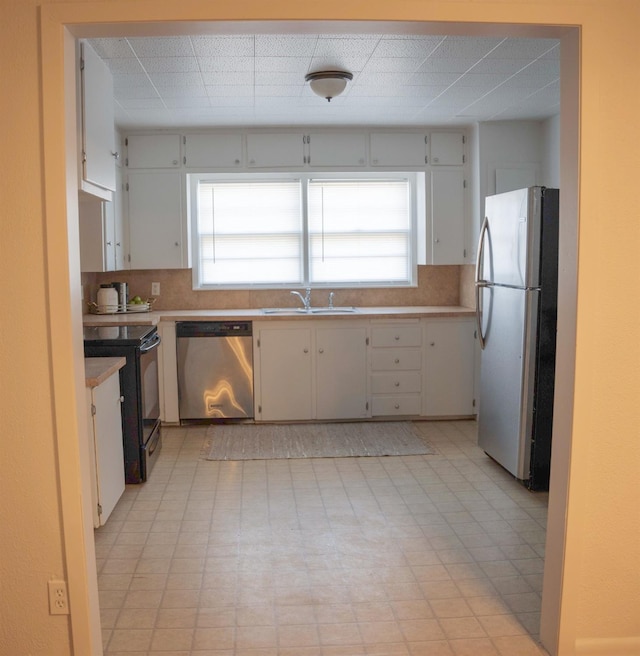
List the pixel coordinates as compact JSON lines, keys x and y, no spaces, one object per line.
{"x":306,"y":299}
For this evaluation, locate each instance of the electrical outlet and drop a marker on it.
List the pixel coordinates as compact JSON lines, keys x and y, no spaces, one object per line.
{"x":58,"y":600}
{"x":155,"y":289}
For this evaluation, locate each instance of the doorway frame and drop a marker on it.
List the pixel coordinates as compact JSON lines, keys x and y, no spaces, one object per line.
{"x":61,"y":25}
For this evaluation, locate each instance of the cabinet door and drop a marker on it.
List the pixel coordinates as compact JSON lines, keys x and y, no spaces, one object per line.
{"x":268,"y":150}
{"x":449,"y":367}
{"x":107,"y":448}
{"x":153,"y":151}
{"x":94,"y":253}
{"x":98,"y":144}
{"x":285,"y":374}
{"x":341,"y":373}
{"x":398,"y":149}
{"x":119,"y":224}
{"x":335,"y":149}
{"x":155,"y":221}
{"x":447,"y":216}
{"x":447,"y":149}
{"x":213,"y":150}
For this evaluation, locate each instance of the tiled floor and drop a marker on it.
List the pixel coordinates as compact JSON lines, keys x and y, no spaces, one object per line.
{"x":436,"y":555}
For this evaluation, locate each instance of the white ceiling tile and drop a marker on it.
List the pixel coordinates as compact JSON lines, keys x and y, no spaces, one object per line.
{"x":137,"y":91}
{"x":479,"y":81}
{"x":278,"y":78}
{"x":284,"y":45}
{"x":290,"y":91}
{"x":522,"y":48}
{"x":111,"y":48}
{"x":169,"y":64}
{"x":125,"y":81}
{"x":420,"y":47}
{"x":223,"y":46}
{"x":377,"y":78}
{"x":395,"y":65}
{"x":213,"y":78}
{"x":219,"y":100}
{"x":461,"y":47}
{"x":187,"y":79}
{"x":230,"y":91}
{"x":195,"y":91}
{"x":298,"y":65}
{"x":226,"y":64}
{"x":187,"y":103}
{"x":126,"y":65}
{"x":503,"y":67}
{"x":433,"y":79}
{"x":344,"y":49}
{"x":168,"y":46}
{"x":446,"y":65}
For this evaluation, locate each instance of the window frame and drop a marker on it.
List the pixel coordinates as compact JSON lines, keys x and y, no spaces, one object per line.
{"x":417,"y":190}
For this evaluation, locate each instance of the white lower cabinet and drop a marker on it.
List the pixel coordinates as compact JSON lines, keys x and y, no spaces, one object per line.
{"x":105,"y":432}
{"x":315,"y":371}
{"x":396,"y":368}
{"x":449,"y":356}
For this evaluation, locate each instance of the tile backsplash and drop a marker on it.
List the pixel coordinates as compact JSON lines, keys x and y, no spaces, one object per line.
{"x":437,"y":285}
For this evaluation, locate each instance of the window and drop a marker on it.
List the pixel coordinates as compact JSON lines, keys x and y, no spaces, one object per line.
{"x":297,"y":230}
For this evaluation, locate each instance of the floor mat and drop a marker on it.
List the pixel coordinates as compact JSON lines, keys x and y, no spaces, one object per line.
{"x":330,"y":440}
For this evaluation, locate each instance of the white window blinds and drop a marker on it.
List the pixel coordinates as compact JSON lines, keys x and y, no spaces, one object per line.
{"x":359,"y":231}
{"x":249,"y":232}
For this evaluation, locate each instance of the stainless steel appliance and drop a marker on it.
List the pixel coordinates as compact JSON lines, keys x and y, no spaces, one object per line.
{"x":139,"y":386}
{"x":215,"y":369}
{"x":516,"y":301}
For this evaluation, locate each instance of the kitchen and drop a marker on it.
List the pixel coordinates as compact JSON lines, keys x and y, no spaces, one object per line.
{"x":441,"y":285}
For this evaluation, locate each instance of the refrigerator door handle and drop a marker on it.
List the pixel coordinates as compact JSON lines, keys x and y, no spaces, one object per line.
{"x":480,"y":258}
{"x":479,"y":286}
{"x":479,"y":282}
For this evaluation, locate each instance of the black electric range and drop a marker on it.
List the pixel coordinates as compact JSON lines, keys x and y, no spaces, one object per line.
{"x":139,"y":387}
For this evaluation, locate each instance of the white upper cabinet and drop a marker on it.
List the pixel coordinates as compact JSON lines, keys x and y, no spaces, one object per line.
{"x":274,"y":150}
{"x":157,"y":236}
{"x":336,"y":149}
{"x":213,"y":150}
{"x":447,"y":196}
{"x":153,"y":151}
{"x":398,"y":149}
{"x":98,"y":137}
{"x":447,"y":148}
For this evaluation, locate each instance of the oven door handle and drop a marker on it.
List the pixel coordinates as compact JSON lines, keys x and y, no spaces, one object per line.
{"x":151,"y":344}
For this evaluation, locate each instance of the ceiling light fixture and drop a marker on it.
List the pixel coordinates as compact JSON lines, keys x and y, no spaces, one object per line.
{"x":328,"y":84}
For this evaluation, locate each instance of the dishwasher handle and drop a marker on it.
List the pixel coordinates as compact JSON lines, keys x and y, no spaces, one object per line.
{"x":213,"y":329}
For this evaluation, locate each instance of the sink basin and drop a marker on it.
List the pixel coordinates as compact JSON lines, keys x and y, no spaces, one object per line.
{"x":283,"y":311}
{"x":348,"y":309}
{"x":345,"y":309}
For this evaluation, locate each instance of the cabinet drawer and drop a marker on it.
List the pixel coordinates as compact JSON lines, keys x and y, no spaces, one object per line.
{"x":401,"y":382}
{"x":409,"y":359}
{"x":409,"y":404}
{"x":396,"y":335}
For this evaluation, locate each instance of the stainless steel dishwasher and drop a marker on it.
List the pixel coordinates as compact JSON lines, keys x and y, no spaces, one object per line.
{"x":215,"y":369}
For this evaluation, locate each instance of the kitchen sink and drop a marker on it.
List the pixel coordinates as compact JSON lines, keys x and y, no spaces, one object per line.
{"x":345,"y":309}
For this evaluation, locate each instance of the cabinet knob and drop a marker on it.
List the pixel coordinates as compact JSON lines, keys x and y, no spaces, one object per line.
{"x":432,"y":344}
{"x":252,"y":161}
{"x":436,"y":241}
{"x":117,"y":243}
{"x":397,"y":338}
{"x":175,"y":162}
{"x":237,"y":161}
{"x":397,"y":384}
{"x":321,"y":350}
{"x":121,"y":399}
{"x":115,"y":154}
{"x":397,"y":360}
{"x":305,"y":350}
{"x":397,"y":406}
{"x":108,"y":243}
{"x":177,"y":243}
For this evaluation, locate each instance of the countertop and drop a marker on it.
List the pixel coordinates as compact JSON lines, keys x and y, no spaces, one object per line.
{"x":393,"y":312}
{"x":97,"y":370}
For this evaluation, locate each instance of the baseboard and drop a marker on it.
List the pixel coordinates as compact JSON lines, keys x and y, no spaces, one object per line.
{"x":608,"y":646}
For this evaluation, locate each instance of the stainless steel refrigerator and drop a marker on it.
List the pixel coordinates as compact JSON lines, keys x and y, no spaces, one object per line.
{"x":516,"y":305}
